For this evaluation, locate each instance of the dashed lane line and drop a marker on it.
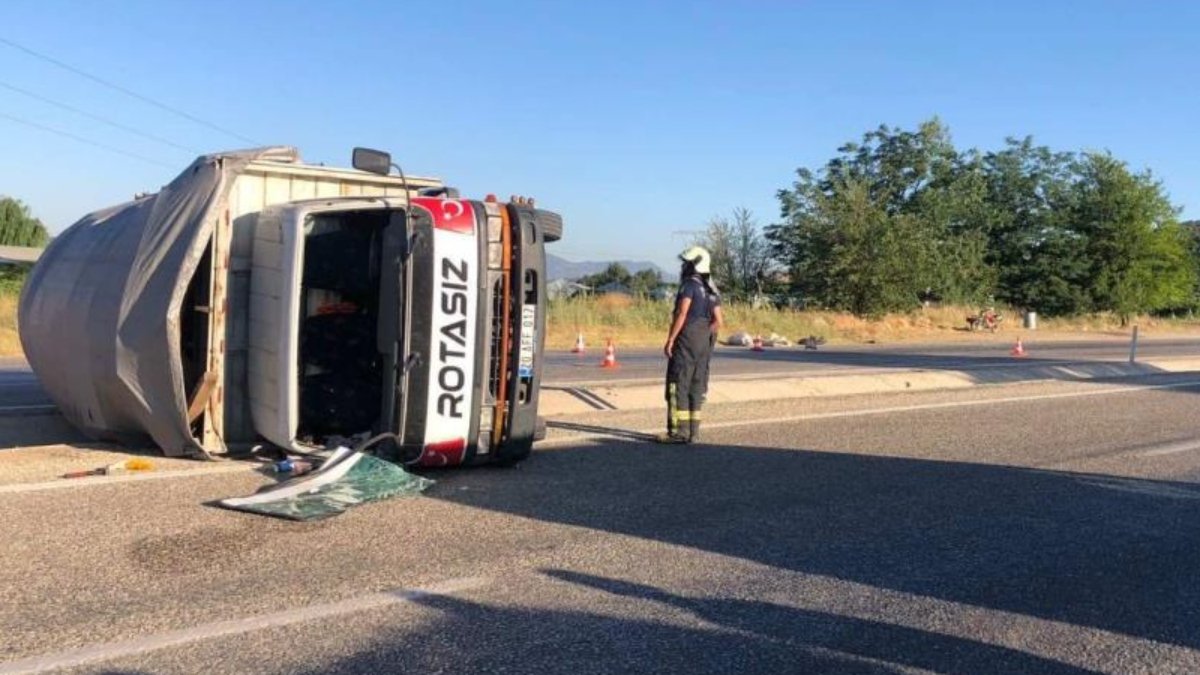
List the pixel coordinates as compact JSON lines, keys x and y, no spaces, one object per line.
{"x":1172,"y":448}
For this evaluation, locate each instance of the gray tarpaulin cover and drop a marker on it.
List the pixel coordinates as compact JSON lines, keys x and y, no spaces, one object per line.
{"x":99,"y":315}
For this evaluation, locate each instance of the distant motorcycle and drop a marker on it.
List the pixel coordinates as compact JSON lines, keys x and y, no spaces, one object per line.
{"x":988,"y":320}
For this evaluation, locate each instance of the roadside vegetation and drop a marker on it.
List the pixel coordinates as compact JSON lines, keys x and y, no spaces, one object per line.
{"x":18,"y":227}
{"x":901,"y":217}
{"x":11,"y":278}
{"x":10,"y":341}
{"x":642,"y":322}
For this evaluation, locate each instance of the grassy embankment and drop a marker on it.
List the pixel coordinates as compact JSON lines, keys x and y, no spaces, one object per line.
{"x":632,"y":322}
{"x":10,"y":343}
{"x":11,"y":279}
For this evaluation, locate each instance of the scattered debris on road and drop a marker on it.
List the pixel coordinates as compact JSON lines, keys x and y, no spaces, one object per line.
{"x":777,"y":340}
{"x":134,"y":465}
{"x":348,"y":478}
{"x":739,"y":339}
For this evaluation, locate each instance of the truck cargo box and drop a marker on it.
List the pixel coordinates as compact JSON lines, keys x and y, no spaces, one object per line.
{"x":135,"y":318}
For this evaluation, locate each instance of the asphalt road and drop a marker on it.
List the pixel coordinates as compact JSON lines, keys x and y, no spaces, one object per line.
{"x":564,"y":368}
{"x":1037,"y":528}
{"x":19,"y":388}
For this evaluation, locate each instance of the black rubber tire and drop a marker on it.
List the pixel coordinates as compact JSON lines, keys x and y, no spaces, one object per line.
{"x":550,"y":223}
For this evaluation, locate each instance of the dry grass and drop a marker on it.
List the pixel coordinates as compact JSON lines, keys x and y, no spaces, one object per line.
{"x":10,"y":341}
{"x":635,"y":322}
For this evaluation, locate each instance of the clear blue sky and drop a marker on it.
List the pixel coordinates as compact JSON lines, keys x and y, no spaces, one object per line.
{"x":635,"y":120}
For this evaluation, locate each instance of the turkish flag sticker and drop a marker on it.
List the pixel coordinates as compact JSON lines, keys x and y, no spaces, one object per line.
{"x":454,"y":215}
{"x":444,"y":453}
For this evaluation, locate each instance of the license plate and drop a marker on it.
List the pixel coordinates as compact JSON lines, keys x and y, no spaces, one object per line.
{"x":528,"y":334}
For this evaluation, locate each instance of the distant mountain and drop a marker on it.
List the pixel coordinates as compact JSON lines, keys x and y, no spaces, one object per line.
{"x":558,"y":268}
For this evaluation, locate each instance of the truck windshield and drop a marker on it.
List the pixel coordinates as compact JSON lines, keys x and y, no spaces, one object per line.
{"x":350,"y":323}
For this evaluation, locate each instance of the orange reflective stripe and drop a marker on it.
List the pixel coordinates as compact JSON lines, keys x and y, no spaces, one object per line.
{"x":506,"y":340}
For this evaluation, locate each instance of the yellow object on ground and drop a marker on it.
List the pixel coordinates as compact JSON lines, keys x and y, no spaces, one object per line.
{"x":129,"y":466}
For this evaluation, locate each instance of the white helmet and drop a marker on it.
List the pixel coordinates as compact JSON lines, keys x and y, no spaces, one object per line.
{"x":700,"y":259}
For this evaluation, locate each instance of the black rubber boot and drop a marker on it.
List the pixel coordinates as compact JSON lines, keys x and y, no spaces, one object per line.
{"x":694,"y":428}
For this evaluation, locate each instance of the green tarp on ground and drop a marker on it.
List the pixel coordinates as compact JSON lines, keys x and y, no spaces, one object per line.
{"x":346,"y":479}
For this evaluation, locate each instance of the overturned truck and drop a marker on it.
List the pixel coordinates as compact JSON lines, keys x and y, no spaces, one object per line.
{"x":257,"y":298}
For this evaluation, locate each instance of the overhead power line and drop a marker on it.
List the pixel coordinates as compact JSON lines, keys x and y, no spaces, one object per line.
{"x":98,"y":118}
{"x":81,"y":139}
{"x":128,"y":92}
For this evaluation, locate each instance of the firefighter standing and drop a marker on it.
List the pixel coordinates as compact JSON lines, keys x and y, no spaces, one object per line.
{"x":689,"y":346}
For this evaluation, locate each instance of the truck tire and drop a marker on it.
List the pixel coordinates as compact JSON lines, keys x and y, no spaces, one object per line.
{"x":550,"y":223}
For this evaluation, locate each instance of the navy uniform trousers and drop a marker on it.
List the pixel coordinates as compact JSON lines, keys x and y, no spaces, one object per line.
{"x":687,"y":379}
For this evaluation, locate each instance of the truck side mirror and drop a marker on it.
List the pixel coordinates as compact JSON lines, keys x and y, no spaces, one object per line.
{"x":372,"y":161}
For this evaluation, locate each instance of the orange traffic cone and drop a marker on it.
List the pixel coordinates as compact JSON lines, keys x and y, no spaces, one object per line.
{"x":610,"y":356}
{"x":758,"y":344}
{"x":579,"y":347}
{"x":1018,"y":350}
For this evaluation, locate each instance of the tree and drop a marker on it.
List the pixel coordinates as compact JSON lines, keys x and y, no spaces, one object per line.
{"x":749,"y":253}
{"x":1038,"y":256}
{"x":866,"y":233}
{"x":614,"y":273}
{"x":741,"y":256}
{"x":645,"y":281}
{"x":874,"y":263}
{"x":718,"y":238}
{"x":1139,"y":255}
{"x":18,"y":227}
{"x":902,"y":214}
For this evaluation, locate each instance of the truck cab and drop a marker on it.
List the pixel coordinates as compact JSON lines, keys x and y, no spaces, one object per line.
{"x":418,"y":318}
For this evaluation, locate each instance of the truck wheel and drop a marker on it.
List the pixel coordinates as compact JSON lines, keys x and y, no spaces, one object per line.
{"x":550,"y":223}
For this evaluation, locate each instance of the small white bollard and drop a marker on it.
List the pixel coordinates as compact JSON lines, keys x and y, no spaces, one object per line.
{"x":1133,"y":345}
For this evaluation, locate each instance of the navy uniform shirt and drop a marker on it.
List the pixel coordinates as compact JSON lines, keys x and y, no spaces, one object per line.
{"x":703,"y":302}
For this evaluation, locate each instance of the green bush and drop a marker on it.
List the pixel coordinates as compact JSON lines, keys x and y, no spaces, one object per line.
{"x":12,"y":278}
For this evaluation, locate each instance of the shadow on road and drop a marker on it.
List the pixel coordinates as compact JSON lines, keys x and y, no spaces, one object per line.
{"x":1101,"y":551}
{"x":742,"y":637}
{"x":39,"y":429}
{"x":1090,"y":550}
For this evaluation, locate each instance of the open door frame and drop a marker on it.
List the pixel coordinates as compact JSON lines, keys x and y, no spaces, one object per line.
{"x":212,"y":433}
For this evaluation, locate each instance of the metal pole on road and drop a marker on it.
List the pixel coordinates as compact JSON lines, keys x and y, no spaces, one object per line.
{"x":1133,"y":345}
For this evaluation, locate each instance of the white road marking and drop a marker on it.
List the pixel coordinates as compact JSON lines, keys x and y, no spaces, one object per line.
{"x":955,"y":404}
{"x":897,"y":409}
{"x":42,"y":408}
{"x":820,"y":373}
{"x":65,"y":483}
{"x":1141,"y":487}
{"x":1172,"y":448}
{"x":116,"y":650}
